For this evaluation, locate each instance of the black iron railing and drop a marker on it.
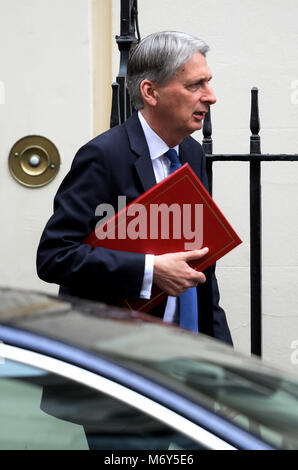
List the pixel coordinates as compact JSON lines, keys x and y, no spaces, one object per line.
{"x":255,"y":159}
{"x":122,"y":109}
{"x":129,"y":28}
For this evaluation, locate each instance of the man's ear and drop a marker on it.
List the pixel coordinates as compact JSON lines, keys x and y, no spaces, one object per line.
{"x":148,"y":92}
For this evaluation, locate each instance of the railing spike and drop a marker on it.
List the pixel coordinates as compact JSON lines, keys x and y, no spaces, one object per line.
{"x":255,"y":140}
{"x":207,"y":133}
{"x":121,"y":106}
{"x":115,"y":111}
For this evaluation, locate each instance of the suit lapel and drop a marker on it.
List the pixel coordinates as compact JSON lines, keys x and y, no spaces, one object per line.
{"x":139,"y":146}
{"x":143,"y":163}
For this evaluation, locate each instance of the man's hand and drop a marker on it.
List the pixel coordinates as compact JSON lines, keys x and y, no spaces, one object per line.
{"x":172,"y":273}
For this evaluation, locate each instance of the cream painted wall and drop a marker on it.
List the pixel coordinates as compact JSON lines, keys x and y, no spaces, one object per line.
{"x":46,"y":69}
{"x":253,"y":43}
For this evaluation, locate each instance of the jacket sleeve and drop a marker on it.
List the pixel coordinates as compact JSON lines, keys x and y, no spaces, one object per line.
{"x":61,"y":256}
{"x":220,"y":326}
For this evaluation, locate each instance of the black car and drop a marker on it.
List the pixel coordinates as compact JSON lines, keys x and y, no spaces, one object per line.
{"x":81,"y":375}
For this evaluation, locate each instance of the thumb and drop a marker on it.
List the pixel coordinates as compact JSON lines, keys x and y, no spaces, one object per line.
{"x":195,"y":254}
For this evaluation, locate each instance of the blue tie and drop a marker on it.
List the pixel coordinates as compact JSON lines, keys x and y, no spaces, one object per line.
{"x":188,"y":302}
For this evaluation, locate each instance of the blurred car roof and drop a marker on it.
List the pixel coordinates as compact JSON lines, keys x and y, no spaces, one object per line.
{"x":199,"y":368}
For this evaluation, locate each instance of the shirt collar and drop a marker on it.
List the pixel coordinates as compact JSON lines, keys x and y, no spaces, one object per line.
{"x":156,"y":145}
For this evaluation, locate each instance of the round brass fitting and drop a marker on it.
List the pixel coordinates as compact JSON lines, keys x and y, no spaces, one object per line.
{"x":34,"y":161}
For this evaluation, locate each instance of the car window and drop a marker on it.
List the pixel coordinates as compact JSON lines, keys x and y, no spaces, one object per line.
{"x":23,"y":425}
{"x":41,"y":410}
{"x":265,"y":405}
{"x":258,"y":398}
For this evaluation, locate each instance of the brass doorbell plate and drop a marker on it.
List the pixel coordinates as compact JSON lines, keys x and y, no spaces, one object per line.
{"x":34,"y":161}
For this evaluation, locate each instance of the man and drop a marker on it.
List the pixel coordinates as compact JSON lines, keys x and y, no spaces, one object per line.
{"x":168,"y":81}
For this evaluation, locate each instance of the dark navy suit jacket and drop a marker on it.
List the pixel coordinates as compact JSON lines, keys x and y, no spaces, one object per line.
{"x":116,"y":163}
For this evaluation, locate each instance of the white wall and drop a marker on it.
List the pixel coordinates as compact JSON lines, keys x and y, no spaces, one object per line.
{"x":253,"y":43}
{"x":45,"y":68}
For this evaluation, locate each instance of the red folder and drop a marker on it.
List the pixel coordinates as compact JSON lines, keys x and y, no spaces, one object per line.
{"x":177,"y":214}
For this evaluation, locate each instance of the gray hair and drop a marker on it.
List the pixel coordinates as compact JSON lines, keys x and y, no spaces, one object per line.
{"x":157,"y":58}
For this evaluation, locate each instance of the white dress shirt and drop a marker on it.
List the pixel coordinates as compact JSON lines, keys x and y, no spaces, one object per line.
{"x":161,"y":167}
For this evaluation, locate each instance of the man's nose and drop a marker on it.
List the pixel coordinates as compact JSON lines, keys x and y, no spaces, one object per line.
{"x":209,"y":95}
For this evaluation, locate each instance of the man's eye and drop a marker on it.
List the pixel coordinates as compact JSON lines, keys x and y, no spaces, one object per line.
{"x":195,"y":86}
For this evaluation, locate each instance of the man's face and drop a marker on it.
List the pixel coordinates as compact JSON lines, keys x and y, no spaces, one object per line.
{"x":182,"y":103}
